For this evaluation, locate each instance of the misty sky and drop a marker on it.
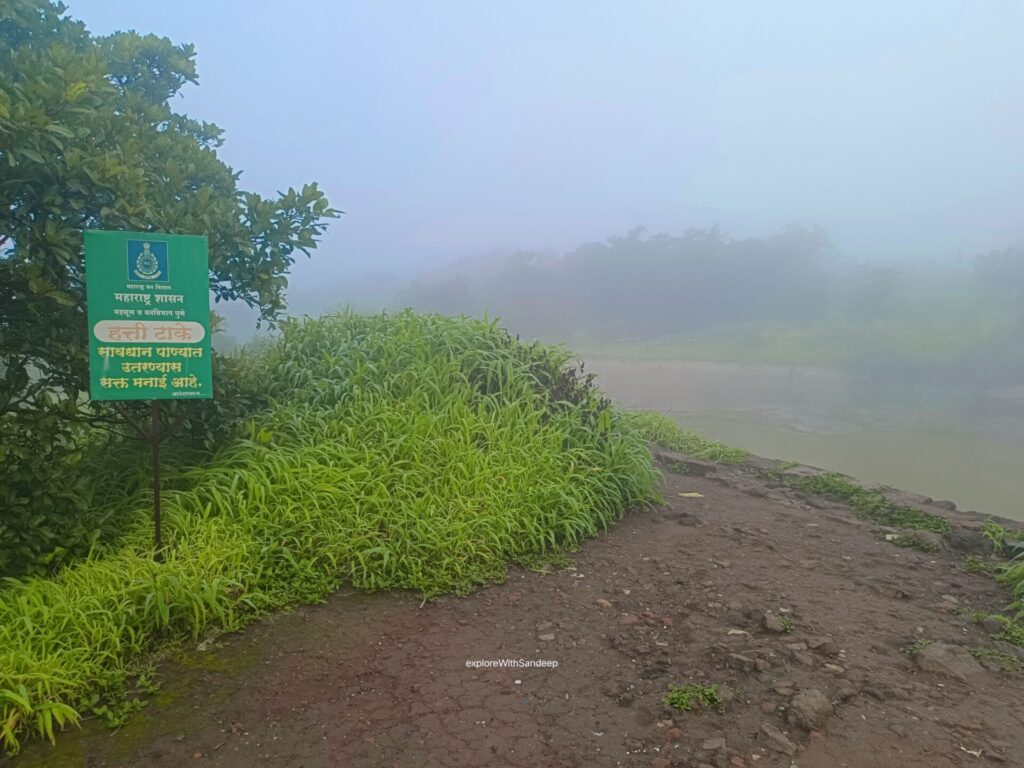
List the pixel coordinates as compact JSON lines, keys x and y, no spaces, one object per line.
{"x":449,"y":128}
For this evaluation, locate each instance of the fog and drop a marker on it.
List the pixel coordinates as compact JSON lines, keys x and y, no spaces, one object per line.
{"x":446,"y":130}
{"x":704,"y":193}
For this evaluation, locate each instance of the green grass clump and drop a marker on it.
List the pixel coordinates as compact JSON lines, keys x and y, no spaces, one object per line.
{"x":1012,"y":575}
{"x":870,"y":503}
{"x":1007,"y":661}
{"x":408,"y":451}
{"x":688,"y":697}
{"x":995,"y":533}
{"x":975,"y":564}
{"x":661,"y":430}
{"x":1011,"y":631}
{"x":916,"y":647}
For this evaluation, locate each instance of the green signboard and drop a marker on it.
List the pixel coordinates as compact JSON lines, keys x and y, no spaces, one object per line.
{"x":148,"y":298}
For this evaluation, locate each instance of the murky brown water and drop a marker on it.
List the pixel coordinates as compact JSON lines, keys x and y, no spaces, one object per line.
{"x":953,"y":446}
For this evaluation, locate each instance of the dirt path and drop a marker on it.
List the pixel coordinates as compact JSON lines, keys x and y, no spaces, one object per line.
{"x":672,"y":595}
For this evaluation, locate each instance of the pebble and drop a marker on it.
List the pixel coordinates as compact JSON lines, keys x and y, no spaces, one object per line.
{"x":602,"y":603}
{"x":846,"y":693}
{"x":810,"y":709}
{"x":546,"y":637}
{"x":716,"y":744}
{"x":772,"y":623}
{"x":804,"y":658}
{"x":777,"y":740}
{"x":628,"y":620}
{"x":823,"y":645}
{"x":741,"y":662}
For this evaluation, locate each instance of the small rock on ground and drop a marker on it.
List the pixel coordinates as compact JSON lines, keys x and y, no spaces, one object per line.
{"x":810,"y":709}
{"x":777,"y":740}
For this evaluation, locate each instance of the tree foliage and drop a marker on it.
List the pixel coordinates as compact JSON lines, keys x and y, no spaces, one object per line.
{"x":639,"y":285}
{"x":88,"y":139}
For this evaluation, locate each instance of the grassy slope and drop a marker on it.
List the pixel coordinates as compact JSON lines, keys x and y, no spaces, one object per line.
{"x":410,"y":451}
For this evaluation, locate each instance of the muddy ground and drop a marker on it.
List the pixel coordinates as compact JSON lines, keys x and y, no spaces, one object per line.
{"x":671,"y":595}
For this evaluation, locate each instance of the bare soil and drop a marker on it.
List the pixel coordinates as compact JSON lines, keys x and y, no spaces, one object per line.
{"x":671,"y":595}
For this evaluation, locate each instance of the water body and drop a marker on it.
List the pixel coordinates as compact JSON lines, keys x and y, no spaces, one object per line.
{"x":966,"y":446}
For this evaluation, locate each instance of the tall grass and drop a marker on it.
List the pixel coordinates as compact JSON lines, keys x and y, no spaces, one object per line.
{"x":406,"y":451}
{"x":661,"y":430}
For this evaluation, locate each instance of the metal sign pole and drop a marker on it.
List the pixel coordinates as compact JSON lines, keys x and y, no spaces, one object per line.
{"x":154,"y":439}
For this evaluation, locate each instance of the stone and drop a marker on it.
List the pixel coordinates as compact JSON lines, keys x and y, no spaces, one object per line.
{"x":768,"y":706}
{"x":992,"y":625}
{"x":968,"y":542}
{"x":949,"y":506}
{"x":823,"y":645}
{"x":546,"y":637}
{"x":661,"y":762}
{"x":716,"y":744}
{"x":602,"y":603}
{"x":741,"y":662}
{"x":544,"y":625}
{"x":628,"y":620}
{"x":772,"y":623}
{"x":762,"y":665}
{"x":777,"y":740}
{"x":673,"y":734}
{"x":804,"y":658}
{"x":846,"y":693}
{"x":810,"y":709}
{"x":947,"y":659}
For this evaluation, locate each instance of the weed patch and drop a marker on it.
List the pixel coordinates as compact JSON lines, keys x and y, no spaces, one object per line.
{"x":870,"y":503}
{"x":1012,"y":631}
{"x":689,"y":697}
{"x":975,"y":564}
{"x":912,"y":541}
{"x":916,"y":647}
{"x":1007,"y":661}
{"x":996,"y":534}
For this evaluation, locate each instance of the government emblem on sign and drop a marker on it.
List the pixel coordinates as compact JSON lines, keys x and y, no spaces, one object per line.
{"x":147,"y":260}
